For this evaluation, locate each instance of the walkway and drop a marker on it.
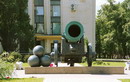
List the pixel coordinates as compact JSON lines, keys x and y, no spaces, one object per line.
{"x":74,"y":77}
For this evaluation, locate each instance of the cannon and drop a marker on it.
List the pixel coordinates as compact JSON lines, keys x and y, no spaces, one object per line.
{"x":72,"y":48}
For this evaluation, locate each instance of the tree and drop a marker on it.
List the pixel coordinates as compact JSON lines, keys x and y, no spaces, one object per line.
{"x":15,"y":30}
{"x":113,"y":29}
{"x":26,"y":30}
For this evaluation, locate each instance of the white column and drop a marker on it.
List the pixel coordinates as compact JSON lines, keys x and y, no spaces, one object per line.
{"x":48,"y":46}
{"x":47,"y":17}
{"x":31,"y":11}
{"x":1,"y":48}
{"x":93,"y":25}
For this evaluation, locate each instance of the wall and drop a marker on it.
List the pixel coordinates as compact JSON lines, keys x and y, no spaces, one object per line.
{"x":84,"y":13}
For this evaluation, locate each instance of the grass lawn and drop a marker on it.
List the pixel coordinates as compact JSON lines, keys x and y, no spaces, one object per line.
{"x":120,"y":64}
{"x":125,"y":80}
{"x":22,"y":80}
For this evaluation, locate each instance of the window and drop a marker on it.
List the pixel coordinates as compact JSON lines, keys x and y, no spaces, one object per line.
{"x":55,"y":2}
{"x":38,"y":2}
{"x":40,"y":28}
{"x":39,"y":15}
{"x":56,"y":29}
{"x":39,"y":19}
{"x":55,"y":17}
{"x":39,"y":11}
{"x":56,"y":10}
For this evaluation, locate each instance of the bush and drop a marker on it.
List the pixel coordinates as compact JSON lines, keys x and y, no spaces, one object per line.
{"x":11,"y":57}
{"x":26,"y":58}
{"x":14,"y":57}
{"x":4,"y":56}
{"x":6,"y":69}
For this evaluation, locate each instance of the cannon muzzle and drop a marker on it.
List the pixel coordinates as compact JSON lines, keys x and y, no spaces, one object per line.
{"x":73,"y":32}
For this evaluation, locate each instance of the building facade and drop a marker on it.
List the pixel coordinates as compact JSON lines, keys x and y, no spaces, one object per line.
{"x":50,"y":18}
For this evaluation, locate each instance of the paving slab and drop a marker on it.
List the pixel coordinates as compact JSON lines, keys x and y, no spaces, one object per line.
{"x":74,"y":77}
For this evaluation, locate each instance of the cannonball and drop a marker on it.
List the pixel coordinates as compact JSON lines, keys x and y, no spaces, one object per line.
{"x":38,"y":50}
{"x":45,"y":60}
{"x":52,"y":55}
{"x":33,"y":61}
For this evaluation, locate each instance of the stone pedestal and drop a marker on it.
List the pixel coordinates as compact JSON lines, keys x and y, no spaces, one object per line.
{"x":74,"y":70}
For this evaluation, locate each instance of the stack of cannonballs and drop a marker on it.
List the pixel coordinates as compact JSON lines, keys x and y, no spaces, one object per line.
{"x":39,"y":58}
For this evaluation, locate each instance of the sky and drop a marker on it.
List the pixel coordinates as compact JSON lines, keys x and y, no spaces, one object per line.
{"x":101,"y":2}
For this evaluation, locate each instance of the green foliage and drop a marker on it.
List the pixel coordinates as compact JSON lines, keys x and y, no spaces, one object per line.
{"x":15,"y":56}
{"x":26,"y":65}
{"x":26,"y":58}
{"x":15,"y":30}
{"x":84,"y":59}
{"x":119,"y":64}
{"x":11,"y":57}
{"x":101,"y":63}
{"x":98,"y":62}
{"x":6,"y":69}
{"x":4,"y":56}
{"x":113,"y":30}
{"x":125,"y":80}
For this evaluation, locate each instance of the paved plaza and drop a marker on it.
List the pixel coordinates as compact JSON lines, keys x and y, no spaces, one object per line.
{"x":74,"y":77}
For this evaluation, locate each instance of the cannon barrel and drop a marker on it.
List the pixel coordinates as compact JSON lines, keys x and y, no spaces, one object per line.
{"x":73,"y":32}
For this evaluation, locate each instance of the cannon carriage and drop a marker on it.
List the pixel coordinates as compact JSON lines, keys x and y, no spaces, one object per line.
{"x":72,"y":48}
